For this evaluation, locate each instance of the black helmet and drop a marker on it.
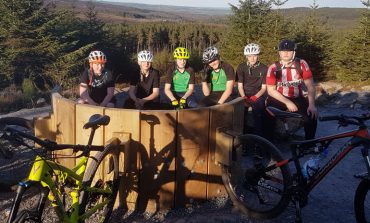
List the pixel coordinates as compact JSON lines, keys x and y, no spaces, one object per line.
{"x":287,"y":45}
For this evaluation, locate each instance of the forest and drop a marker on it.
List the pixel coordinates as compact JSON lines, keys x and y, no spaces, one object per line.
{"x":42,"y":45}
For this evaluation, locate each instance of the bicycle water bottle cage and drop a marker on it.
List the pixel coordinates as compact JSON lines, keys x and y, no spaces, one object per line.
{"x":275,"y":112}
{"x":97,"y":120}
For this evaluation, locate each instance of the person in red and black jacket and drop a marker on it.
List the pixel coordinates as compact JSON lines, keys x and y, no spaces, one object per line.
{"x":285,"y":80}
{"x":251,"y":76}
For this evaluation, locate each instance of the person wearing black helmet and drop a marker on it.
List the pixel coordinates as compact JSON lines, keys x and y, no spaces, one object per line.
{"x":217,"y":79}
{"x":285,"y":80}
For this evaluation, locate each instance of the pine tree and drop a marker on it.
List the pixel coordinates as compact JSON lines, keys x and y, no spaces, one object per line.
{"x":354,"y":54}
{"x":314,"y":43}
{"x":251,"y":21}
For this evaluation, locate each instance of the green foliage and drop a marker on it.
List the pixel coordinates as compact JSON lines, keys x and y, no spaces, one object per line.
{"x":354,"y":52}
{"x":28,"y":89}
{"x":314,"y":43}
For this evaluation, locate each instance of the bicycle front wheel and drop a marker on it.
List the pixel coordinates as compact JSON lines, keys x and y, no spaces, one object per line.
{"x":256,"y":192}
{"x":102,"y":182}
{"x":362,"y":202}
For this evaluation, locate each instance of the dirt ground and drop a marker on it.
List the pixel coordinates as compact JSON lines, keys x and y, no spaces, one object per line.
{"x":330,"y":201}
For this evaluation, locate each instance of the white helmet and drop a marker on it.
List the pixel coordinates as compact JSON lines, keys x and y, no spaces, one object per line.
{"x":145,"y":55}
{"x":210,"y":54}
{"x":97,"y":57}
{"x":252,"y":49}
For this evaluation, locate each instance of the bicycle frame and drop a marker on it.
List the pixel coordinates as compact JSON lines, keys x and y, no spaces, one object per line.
{"x":359,"y":137}
{"x":43,"y":171}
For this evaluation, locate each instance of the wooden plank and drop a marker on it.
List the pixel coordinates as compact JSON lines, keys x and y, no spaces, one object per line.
{"x":157,"y":176}
{"x":125,"y":121}
{"x":64,"y":112}
{"x":220,"y":116}
{"x":192,"y":156}
{"x":44,"y":127}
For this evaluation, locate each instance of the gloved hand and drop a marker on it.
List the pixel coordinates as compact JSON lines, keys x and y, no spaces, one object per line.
{"x":204,"y":76}
{"x":253,"y":98}
{"x":182,"y":103}
{"x":175,"y":103}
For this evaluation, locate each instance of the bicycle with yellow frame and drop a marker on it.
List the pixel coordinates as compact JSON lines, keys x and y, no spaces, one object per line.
{"x":92,"y":184}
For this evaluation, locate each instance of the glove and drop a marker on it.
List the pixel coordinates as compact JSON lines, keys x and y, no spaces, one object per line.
{"x":174,"y":103}
{"x":204,"y":76}
{"x":253,"y":98}
{"x":182,"y":103}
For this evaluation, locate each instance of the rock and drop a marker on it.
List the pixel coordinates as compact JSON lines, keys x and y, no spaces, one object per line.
{"x":366,"y":88}
{"x":40,"y":102}
{"x":330,"y":87}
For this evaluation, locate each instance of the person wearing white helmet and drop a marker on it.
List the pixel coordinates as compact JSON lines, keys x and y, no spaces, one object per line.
{"x":97,"y":83}
{"x":285,"y":81}
{"x":144,"y":85}
{"x":217,"y":80}
{"x":251,"y":78}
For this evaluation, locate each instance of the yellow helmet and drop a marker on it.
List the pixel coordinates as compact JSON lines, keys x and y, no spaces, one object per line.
{"x":181,"y":53}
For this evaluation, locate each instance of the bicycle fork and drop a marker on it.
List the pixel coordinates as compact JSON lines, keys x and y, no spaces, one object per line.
{"x":28,"y":214}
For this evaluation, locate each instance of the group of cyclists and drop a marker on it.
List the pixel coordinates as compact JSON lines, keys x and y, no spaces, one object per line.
{"x":280,"y":85}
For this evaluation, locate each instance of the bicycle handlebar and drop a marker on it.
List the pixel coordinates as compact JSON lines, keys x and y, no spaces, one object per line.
{"x":53,"y":146}
{"x":344,"y":119}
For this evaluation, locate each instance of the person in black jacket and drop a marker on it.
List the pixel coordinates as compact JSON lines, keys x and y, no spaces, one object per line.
{"x":251,"y":76}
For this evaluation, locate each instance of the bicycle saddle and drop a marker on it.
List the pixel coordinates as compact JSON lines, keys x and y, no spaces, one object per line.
{"x":97,"y":120}
{"x":282,"y":114}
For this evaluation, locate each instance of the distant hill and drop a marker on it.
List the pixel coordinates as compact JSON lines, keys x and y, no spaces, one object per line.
{"x":114,"y":12}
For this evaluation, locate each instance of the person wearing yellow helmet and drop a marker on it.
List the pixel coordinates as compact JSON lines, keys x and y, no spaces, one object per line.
{"x":97,"y":83}
{"x":180,"y":80}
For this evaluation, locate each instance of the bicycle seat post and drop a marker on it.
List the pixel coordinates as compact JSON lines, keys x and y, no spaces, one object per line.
{"x":91,"y":137}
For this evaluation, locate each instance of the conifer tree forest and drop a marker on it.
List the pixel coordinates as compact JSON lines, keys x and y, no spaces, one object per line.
{"x":43,"y":46}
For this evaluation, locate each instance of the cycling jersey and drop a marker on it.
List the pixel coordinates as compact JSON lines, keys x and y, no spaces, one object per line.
{"x":97,"y":85}
{"x":290,"y":81}
{"x":180,"y":81}
{"x":251,"y":77}
{"x":219,"y":79}
{"x":146,"y":84}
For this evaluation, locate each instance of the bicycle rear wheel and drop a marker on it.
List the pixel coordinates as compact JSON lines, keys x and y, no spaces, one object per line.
{"x":102,"y":174}
{"x":362,"y":202}
{"x":257,"y":193}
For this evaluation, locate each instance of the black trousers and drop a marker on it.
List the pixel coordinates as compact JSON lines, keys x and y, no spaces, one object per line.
{"x":309,"y":123}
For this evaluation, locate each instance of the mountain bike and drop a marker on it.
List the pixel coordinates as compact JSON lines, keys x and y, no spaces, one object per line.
{"x":92,"y":184}
{"x":259,"y":181}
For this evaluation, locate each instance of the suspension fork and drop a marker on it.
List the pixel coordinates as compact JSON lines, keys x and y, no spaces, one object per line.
{"x":22,"y":187}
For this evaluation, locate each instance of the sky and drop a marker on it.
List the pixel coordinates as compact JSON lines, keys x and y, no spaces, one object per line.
{"x":224,"y":3}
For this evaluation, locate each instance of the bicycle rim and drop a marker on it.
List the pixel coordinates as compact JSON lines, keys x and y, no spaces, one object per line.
{"x":362,"y":202}
{"x":258,"y":194}
{"x":102,"y":173}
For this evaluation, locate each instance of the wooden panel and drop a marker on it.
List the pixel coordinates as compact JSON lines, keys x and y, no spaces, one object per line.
{"x":220,"y":116}
{"x":64,"y":113}
{"x":126,"y":121}
{"x":157,"y":174}
{"x":238,"y":115}
{"x":44,"y":127}
{"x":192,"y":155}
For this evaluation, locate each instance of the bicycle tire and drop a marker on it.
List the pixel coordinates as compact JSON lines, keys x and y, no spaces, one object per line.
{"x":29,"y":203}
{"x":362,"y":202}
{"x":246,"y":184}
{"x":17,"y":121}
{"x":102,"y":172}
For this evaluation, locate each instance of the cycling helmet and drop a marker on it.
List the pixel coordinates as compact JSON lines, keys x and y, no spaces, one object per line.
{"x":97,"y":57}
{"x":181,"y":53}
{"x":145,"y":55}
{"x":287,"y":45}
{"x":251,"y":49}
{"x":210,"y":54}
